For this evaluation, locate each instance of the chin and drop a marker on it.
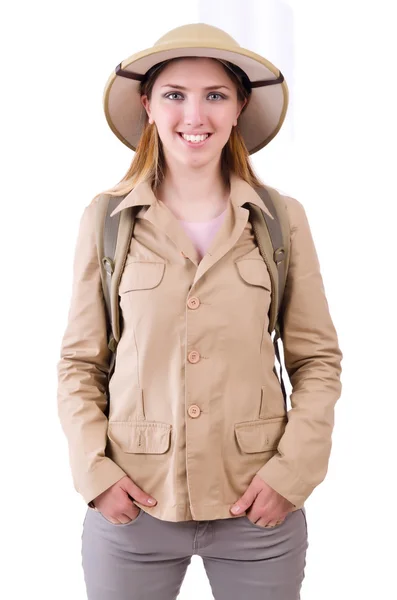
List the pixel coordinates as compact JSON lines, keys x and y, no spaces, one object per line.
{"x":197,"y":164}
{"x":192,"y":162}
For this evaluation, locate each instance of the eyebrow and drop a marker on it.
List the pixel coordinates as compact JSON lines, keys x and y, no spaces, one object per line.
{"x":210,"y":87}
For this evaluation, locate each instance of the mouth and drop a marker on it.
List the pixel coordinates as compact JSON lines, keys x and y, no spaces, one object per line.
{"x":193,"y":143}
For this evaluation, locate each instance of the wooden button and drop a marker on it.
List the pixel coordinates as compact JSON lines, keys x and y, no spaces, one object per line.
{"x":193,"y":303}
{"x":193,"y":356}
{"x":194,"y":411}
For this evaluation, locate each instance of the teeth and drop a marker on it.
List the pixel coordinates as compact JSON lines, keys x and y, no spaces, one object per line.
{"x":195,"y":138}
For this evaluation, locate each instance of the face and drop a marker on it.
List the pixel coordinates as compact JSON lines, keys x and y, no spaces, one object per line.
{"x":207,"y":104}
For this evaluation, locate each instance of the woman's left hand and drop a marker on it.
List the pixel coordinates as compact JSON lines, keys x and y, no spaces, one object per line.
{"x":269,"y":508}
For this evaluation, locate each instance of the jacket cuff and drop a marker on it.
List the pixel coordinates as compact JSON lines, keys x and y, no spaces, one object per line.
{"x":99,"y":479}
{"x":279,"y":476}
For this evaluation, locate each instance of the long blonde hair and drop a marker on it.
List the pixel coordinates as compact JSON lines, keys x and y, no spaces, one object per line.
{"x":148,"y":163}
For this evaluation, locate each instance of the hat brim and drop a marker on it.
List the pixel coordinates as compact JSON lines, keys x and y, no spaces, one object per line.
{"x":259,"y":123}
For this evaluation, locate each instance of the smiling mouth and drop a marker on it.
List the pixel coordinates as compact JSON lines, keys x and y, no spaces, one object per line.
{"x":199,"y":141}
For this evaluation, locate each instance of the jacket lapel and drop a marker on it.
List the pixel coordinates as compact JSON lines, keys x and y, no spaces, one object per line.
{"x":236,"y":218}
{"x":161,"y":217}
{"x":231,"y":229}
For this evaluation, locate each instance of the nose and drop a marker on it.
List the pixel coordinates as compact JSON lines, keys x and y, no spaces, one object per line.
{"x":194,"y":112}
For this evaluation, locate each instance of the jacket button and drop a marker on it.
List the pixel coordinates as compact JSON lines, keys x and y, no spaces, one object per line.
{"x":193,"y":302}
{"x":193,"y":356}
{"x":194,"y":411}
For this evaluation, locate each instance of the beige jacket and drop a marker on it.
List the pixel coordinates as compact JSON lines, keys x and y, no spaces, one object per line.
{"x":196,"y":409}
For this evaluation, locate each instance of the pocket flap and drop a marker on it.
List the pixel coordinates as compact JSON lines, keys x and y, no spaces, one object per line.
{"x":140,"y":437}
{"x":141,"y":276}
{"x":254,"y":272}
{"x":260,"y":436}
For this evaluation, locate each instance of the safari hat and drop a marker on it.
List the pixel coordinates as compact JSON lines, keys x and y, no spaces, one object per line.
{"x":258,"y":123}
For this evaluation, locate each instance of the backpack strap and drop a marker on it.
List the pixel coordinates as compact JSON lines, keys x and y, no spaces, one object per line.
{"x":113,"y":236}
{"x":273,"y":239}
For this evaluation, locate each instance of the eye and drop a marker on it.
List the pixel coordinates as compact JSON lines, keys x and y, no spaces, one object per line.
{"x":172,"y":94}
{"x":221,"y":96}
{"x":216,"y":94}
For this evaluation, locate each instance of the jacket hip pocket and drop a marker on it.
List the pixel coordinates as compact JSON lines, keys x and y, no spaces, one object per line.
{"x":260,"y":436}
{"x":140,"y":437}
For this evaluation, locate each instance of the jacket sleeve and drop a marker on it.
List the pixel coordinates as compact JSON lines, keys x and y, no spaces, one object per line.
{"x":83,"y":371}
{"x":313,"y":361}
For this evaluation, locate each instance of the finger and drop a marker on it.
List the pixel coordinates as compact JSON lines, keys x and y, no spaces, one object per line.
{"x":267,"y":520}
{"x":274,"y":522}
{"x":265,"y":523}
{"x":132,"y":511}
{"x":242,"y":505}
{"x":121,"y":519}
{"x":110,"y":519}
{"x":253,"y":515}
{"x":124,"y":519}
{"x":244,"y":502}
{"x":137,"y":494}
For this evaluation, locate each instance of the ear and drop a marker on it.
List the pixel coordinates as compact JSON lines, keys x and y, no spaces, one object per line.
{"x":241,"y":108}
{"x":146,"y":104}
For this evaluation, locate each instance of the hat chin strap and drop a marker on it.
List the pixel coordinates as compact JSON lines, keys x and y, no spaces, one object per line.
{"x":264,"y":82}
{"x":254,"y":84}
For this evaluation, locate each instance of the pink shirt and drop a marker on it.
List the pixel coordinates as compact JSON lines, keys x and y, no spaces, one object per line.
{"x":203,"y":232}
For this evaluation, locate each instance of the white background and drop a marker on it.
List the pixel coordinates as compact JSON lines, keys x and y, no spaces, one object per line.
{"x":336,"y":153}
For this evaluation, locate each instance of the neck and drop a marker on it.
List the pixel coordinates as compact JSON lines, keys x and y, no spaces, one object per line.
{"x":193,"y":195}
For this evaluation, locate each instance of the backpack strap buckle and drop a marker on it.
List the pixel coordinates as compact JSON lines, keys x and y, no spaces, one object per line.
{"x":279,"y":255}
{"x":108,"y":264}
{"x":112,"y":345}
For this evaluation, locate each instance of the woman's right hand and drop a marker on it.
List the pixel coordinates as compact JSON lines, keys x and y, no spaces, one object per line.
{"x":116,"y":505}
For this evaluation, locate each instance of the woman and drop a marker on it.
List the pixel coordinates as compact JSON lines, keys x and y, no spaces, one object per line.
{"x":195,"y":452}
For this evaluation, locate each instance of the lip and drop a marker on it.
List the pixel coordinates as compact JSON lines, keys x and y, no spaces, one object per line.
{"x":194,"y":144}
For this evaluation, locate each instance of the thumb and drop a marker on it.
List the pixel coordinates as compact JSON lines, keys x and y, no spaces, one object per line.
{"x":245,"y":501}
{"x":136,"y":493}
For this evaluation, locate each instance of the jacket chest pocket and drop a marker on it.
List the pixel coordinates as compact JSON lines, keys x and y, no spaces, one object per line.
{"x":254,"y":272}
{"x":252,"y":297}
{"x":141,"y":276}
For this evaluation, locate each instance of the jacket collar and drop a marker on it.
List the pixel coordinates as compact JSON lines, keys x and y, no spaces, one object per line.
{"x":240,"y":193}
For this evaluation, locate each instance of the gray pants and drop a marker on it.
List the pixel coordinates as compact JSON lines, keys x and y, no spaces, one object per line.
{"x":147,"y":558}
